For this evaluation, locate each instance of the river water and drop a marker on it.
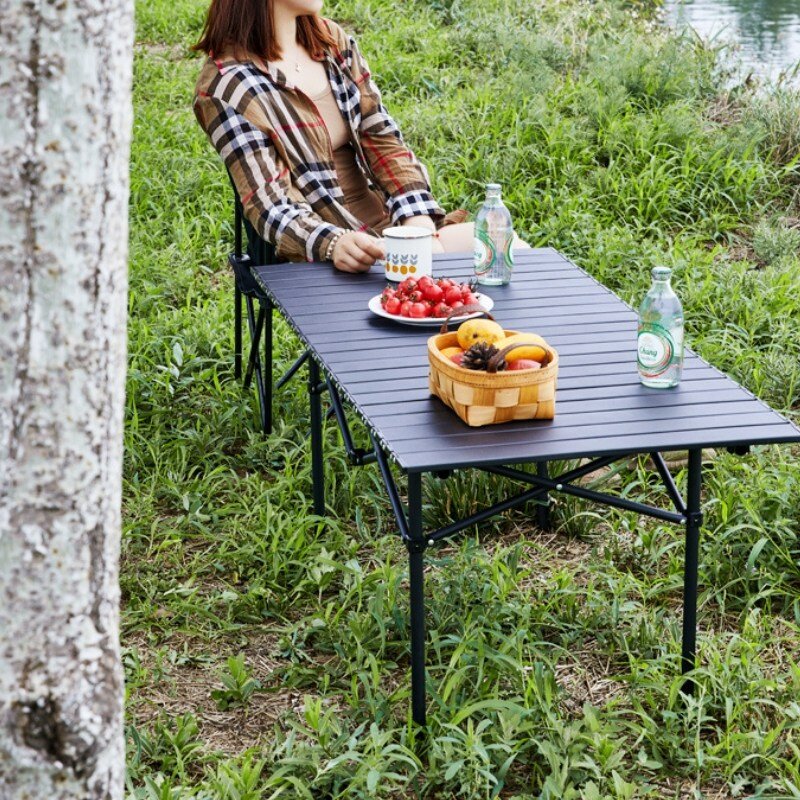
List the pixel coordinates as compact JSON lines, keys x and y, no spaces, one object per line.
{"x":766,"y":33}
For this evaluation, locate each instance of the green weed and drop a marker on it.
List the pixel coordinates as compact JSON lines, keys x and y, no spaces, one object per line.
{"x":238,"y":685}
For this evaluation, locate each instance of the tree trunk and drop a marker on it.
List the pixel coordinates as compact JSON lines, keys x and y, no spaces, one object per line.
{"x":65,"y":124}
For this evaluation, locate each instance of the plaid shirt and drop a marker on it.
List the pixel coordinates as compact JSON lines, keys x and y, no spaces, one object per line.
{"x":277,"y":149}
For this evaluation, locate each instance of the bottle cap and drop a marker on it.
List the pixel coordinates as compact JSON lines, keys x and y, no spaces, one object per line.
{"x":493,"y":187}
{"x":661,"y":273}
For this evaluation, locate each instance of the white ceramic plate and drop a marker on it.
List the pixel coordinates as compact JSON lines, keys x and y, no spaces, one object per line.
{"x":427,"y":322}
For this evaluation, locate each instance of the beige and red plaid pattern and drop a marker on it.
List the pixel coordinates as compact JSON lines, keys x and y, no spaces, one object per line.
{"x":277,"y":149}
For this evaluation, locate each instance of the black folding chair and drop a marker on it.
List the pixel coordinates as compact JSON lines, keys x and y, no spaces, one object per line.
{"x":259,"y":325}
{"x":259,"y":315}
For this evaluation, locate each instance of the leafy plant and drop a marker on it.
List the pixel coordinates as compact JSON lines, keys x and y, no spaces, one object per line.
{"x":238,"y":685}
{"x":776,"y":243}
{"x":239,"y":781}
{"x":170,"y":746}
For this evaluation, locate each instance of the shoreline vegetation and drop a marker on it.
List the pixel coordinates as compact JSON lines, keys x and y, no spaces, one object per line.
{"x":266,"y":650}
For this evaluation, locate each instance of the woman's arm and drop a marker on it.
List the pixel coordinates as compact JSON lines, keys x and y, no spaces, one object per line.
{"x":402,"y":177}
{"x":421,"y":221}
{"x":259,"y":175}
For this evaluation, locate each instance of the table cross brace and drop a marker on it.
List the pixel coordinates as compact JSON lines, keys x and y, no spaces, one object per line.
{"x":562,"y":484}
{"x":409,"y":523}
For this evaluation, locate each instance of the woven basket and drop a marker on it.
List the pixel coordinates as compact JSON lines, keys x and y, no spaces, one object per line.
{"x":483,"y":398}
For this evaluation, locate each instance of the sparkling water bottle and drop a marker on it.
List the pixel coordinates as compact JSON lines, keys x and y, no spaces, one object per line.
{"x":660,"y":340}
{"x":494,"y":238}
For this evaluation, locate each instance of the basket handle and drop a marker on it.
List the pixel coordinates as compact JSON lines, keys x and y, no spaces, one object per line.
{"x":457,"y":312}
{"x":497,"y":359}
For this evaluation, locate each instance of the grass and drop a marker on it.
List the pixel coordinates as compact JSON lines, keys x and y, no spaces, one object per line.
{"x":266,"y":650}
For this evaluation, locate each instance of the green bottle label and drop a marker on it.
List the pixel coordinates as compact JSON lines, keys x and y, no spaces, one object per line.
{"x":484,"y":256}
{"x":655,"y":350}
{"x":509,"y":252}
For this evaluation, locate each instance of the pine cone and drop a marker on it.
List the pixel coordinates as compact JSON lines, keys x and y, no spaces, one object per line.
{"x":477,"y":357}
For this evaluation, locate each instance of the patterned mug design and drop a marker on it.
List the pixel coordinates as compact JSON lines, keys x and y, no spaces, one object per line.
{"x":401,"y":264}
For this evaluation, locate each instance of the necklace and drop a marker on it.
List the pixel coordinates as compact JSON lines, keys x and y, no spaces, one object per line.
{"x":296,"y":60}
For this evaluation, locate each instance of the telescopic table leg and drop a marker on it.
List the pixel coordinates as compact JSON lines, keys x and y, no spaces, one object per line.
{"x":694,"y":519}
{"x":543,"y":506}
{"x":416,"y":549}
{"x":317,"y":463}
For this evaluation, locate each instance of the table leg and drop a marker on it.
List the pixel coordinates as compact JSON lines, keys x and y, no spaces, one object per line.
{"x":267,"y":396}
{"x":416,"y":549}
{"x":317,"y":463}
{"x":694,"y":519}
{"x":543,"y":506}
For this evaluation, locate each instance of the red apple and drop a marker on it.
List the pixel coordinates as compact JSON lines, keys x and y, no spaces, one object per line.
{"x":456,"y":358}
{"x":524,"y":363}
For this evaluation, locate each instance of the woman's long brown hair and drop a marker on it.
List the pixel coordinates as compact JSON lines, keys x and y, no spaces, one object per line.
{"x":244,"y":28}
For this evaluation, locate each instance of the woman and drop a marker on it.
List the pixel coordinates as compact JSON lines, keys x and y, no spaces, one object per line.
{"x":320,"y":166}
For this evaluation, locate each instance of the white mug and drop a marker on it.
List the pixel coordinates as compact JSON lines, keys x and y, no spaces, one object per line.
{"x":409,"y":252}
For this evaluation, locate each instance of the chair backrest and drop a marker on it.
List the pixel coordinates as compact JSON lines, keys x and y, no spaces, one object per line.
{"x":260,"y":251}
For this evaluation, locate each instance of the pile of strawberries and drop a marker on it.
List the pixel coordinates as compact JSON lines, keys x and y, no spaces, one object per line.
{"x":427,"y":297}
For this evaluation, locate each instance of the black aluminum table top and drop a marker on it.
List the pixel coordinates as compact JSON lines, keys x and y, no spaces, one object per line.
{"x":381,"y":367}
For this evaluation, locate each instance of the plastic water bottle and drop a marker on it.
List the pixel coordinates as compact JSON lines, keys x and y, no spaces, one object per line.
{"x":660,"y":339}
{"x":494,"y":238}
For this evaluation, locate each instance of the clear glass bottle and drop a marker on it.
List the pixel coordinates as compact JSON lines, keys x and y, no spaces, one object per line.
{"x":494,"y":238}
{"x":660,"y":337}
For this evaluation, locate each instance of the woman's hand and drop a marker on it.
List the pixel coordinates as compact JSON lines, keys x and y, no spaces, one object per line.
{"x":357,"y":252}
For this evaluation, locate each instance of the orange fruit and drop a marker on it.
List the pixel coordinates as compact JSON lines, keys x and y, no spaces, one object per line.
{"x":532,"y":347}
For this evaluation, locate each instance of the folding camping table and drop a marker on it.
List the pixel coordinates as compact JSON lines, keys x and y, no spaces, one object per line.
{"x":603,"y":413}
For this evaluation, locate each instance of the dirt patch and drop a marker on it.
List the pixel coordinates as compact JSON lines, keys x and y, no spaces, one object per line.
{"x":677,"y":788}
{"x":587,"y":677}
{"x":239,"y":729}
{"x":187,"y":688}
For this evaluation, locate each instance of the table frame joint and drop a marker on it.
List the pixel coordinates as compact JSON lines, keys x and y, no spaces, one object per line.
{"x":694,"y":519}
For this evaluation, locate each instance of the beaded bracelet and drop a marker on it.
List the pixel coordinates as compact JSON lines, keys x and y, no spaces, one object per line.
{"x":332,"y":244}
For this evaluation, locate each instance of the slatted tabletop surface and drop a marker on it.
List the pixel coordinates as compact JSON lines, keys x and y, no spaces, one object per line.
{"x":381,"y":367}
